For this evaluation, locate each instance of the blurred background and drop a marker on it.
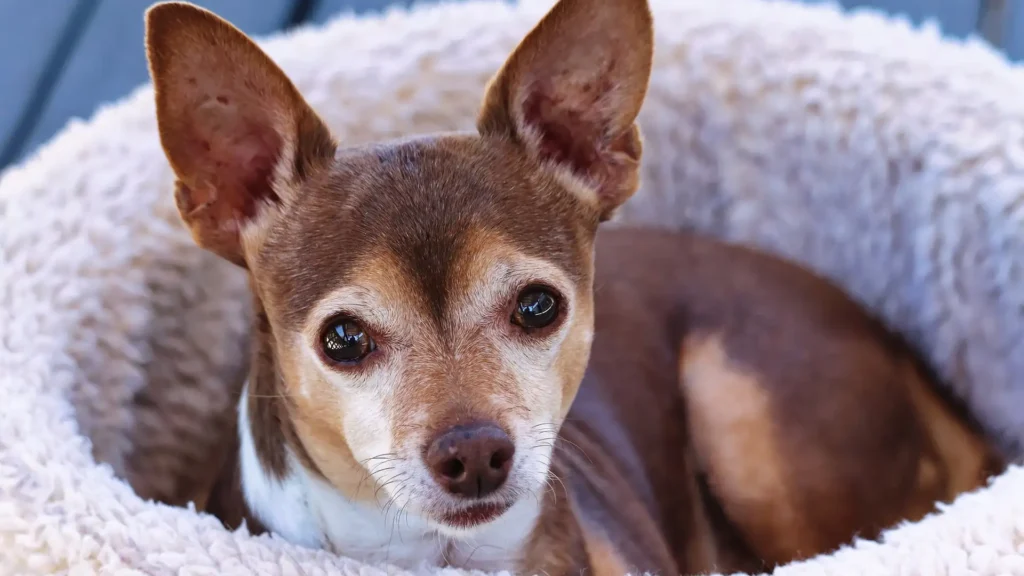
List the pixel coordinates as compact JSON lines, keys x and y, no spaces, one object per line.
{"x":60,"y":59}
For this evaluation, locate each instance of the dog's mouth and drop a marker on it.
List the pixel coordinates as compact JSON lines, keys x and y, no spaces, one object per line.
{"x":473,"y":515}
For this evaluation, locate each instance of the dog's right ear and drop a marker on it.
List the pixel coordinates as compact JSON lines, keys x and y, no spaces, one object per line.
{"x":238,"y":135}
{"x":571,"y":92}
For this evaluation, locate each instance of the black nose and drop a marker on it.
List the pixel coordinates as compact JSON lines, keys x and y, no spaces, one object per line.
{"x":471,"y":460}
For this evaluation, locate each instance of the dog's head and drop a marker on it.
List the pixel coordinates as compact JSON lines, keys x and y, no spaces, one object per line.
{"x":425,"y":306}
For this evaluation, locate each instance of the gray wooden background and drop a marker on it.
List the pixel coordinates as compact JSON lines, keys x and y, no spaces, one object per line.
{"x":59,"y":59}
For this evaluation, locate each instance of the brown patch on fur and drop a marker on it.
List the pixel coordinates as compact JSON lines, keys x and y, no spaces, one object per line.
{"x":778,"y":469}
{"x":266,"y":400}
{"x":733,"y":430}
{"x":965,"y":460}
{"x":226,"y":499}
{"x":799,"y":407}
{"x":223,"y":495}
{"x":795,"y":470}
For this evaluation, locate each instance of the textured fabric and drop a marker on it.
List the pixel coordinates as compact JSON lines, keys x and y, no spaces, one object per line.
{"x":887,"y":158}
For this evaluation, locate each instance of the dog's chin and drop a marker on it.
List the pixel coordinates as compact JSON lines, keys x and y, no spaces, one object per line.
{"x":460,"y":519}
{"x":465,"y":519}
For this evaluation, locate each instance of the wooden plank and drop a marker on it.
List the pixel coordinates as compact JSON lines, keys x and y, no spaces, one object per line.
{"x":32,"y":33}
{"x":325,"y":9}
{"x":110,"y":59}
{"x":956,"y":17}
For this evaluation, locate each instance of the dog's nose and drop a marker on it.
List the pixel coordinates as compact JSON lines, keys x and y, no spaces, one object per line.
{"x":471,"y":460}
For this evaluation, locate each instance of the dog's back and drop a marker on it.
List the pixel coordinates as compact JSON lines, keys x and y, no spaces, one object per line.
{"x":757,"y":412}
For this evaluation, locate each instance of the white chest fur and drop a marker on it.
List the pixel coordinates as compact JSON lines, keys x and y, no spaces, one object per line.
{"x":307,"y":511}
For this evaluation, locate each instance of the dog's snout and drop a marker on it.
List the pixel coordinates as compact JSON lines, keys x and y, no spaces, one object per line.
{"x":471,"y":460}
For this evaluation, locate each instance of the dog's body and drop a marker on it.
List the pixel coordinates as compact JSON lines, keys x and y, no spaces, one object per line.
{"x":426,"y":310}
{"x":738,"y":412}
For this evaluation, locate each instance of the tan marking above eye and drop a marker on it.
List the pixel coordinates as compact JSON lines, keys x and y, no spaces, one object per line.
{"x":495,"y":274}
{"x":485,"y":286}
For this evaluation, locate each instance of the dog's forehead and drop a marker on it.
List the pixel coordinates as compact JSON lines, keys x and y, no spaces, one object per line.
{"x":422,"y":204}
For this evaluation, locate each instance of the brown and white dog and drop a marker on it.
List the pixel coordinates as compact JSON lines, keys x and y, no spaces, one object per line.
{"x":452,"y":366}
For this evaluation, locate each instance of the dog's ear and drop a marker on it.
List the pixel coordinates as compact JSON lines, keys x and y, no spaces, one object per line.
{"x":238,"y":135}
{"x":571,"y":92}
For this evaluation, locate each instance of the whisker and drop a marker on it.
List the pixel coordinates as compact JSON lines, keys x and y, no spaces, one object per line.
{"x":563,"y":445}
{"x":555,"y":476}
{"x":387,"y":455}
{"x":397,"y":477}
{"x":550,"y":488}
{"x":477,"y":547}
{"x":382,"y":470}
{"x":573,"y":444}
{"x":372,"y":474}
{"x":443,"y":547}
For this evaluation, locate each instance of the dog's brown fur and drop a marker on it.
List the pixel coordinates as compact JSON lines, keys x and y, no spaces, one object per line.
{"x":737,"y":411}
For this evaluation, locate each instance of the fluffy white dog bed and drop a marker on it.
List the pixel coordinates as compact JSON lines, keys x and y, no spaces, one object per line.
{"x":885,"y":157}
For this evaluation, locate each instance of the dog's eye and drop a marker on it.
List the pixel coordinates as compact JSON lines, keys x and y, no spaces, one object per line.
{"x":346,"y":341}
{"x":536,"y":308}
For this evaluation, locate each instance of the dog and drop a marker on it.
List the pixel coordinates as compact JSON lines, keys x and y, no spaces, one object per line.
{"x":455,"y":362}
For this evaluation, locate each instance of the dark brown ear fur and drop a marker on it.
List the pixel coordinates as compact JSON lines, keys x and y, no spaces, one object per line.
{"x":572,"y":90}
{"x":237,"y":133}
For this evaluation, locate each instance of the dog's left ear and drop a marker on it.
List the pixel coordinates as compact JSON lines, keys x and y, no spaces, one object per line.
{"x":571,"y":92}
{"x":239,"y":136}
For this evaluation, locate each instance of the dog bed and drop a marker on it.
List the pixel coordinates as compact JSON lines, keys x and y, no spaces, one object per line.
{"x":884,"y":156}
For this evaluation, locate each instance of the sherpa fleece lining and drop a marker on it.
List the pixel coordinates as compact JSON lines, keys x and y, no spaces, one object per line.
{"x":884,"y":157}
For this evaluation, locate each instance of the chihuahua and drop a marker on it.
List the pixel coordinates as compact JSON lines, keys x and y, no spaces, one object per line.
{"x":451,"y":366}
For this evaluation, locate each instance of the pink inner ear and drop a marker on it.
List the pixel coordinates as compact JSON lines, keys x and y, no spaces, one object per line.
{"x":233,"y":154}
{"x":569,"y":121}
{"x":564,"y":137}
